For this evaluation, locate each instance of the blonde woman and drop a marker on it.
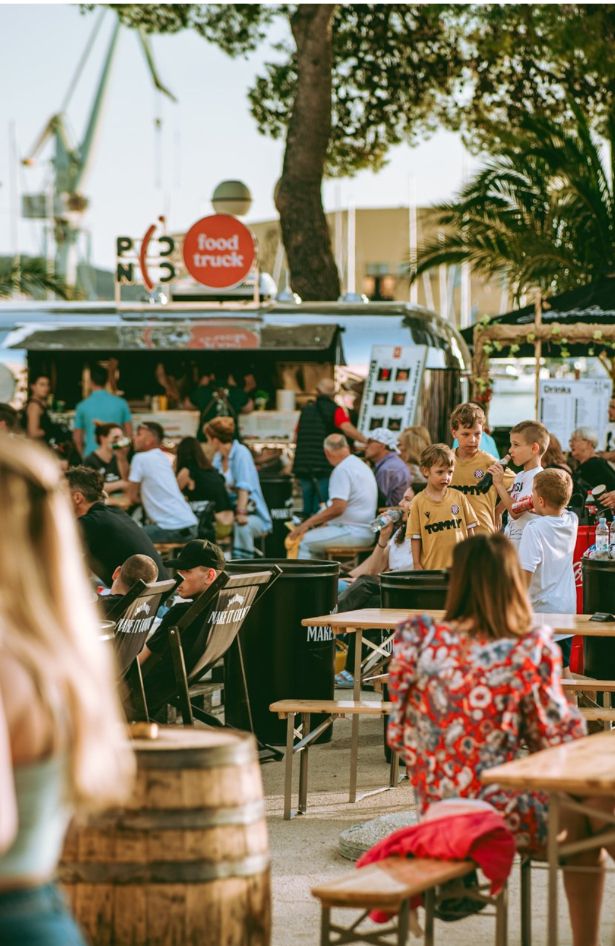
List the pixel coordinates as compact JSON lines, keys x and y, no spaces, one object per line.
{"x":412,"y":441}
{"x":61,"y":742}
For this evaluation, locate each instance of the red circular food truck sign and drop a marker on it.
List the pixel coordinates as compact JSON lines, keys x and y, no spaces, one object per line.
{"x":219,"y":251}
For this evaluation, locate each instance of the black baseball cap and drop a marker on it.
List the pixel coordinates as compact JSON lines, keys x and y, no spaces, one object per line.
{"x":198,"y":552}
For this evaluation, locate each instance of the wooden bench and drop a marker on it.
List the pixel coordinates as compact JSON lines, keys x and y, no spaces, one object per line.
{"x":349,"y":554}
{"x":389,"y":885}
{"x":588,"y":688}
{"x":334,"y":709}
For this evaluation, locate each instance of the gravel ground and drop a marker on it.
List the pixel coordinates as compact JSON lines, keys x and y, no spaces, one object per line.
{"x":305,"y":849}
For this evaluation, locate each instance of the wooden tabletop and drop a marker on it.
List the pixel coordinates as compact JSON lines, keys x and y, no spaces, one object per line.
{"x":387,"y":619}
{"x":581,"y":767}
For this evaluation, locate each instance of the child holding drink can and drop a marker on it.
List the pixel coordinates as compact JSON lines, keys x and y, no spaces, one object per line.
{"x":529,"y":440}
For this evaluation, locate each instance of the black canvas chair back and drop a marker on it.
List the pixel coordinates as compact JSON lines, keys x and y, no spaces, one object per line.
{"x":134,"y":616}
{"x":221,"y":609}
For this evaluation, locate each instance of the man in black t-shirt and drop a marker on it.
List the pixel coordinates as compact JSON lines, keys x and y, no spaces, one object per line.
{"x":199,"y":563}
{"x":110,"y":536}
{"x":592,"y":469}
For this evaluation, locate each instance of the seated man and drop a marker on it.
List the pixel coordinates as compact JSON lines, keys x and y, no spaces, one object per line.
{"x":152,"y":482}
{"x":199,"y":563}
{"x":392,"y":474}
{"x":353,"y":496}
{"x":135,"y":568}
{"x":110,"y":536}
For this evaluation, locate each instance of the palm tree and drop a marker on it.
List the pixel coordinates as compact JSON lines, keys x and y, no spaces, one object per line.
{"x":29,"y":277}
{"x":540,"y":213}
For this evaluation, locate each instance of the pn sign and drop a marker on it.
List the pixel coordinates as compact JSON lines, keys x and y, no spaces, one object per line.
{"x":219,"y":251}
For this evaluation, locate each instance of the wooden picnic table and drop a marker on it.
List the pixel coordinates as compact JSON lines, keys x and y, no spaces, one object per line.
{"x":569,"y":772}
{"x":387,"y":619}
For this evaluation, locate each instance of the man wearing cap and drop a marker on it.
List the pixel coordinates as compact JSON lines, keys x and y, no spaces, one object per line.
{"x":353,"y":496}
{"x":392,"y":474}
{"x":198,"y":564}
{"x":151,"y":481}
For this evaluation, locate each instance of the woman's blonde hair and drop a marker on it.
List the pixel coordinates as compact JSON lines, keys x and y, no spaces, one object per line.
{"x":412,"y":441}
{"x":48,"y":623}
{"x":487,"y":589}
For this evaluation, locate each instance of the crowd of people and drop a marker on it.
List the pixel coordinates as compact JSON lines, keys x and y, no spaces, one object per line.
{"x":468,"y":692}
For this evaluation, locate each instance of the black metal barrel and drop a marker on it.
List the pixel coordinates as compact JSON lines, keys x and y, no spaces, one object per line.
{"x":278,"y":493}
{"x":422,"y":589}
{"x":599,"y":595}
{"x":282,"y":659}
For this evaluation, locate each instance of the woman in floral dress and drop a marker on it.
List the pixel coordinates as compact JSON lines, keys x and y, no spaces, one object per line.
{"x":470,"y":691}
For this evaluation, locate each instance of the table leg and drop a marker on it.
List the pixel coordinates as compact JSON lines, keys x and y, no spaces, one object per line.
{"x":303,"y":767}
{"x":553,"y":859}
{"x":288,"y":766}
{"x":354,"y":737}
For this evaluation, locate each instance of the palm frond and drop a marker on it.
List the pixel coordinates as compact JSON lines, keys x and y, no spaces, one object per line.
{"x":540,"y":213}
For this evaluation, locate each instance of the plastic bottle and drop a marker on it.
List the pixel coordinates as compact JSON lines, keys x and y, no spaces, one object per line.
{"x":385,"y":518}
{"x":602,"y":538}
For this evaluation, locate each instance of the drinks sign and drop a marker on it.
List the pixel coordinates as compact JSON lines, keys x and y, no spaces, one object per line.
{"x":219,"y":251}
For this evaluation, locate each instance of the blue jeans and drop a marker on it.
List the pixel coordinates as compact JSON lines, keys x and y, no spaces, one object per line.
{"x":157,"y":534}
{"x":315,"y":491}
{"x":245,"y":534}
{"x":315,"y":542}
{"x":37,"y":916}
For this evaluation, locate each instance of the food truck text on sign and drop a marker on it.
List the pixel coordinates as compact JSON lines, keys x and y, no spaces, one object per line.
{"x":219,"y":251}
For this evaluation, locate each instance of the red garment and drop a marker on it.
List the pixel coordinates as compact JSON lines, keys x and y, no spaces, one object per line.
{"x":479,"y":836}
{"x":340,"y":417}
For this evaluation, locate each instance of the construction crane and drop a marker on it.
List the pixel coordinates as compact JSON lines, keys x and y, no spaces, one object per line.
{"x":65,"y":203}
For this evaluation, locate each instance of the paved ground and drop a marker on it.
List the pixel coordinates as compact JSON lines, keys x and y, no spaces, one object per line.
{"x":304,"y":850}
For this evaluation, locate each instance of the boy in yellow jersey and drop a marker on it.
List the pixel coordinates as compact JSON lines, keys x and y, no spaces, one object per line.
{"x":471,"y":466}
{"x":439,"y":517}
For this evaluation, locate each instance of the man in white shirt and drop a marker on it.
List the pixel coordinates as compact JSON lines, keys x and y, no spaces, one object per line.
{"x":152,"y":482}
{"x":353,"y":498}
{"x":546,"y":548}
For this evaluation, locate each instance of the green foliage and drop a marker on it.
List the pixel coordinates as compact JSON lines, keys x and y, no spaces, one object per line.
{"x":533,"y":59}
{"x":29,"y":278}
{"x":237,"y":28}
{"x":541,"y":213}
{"x":394,"y":68}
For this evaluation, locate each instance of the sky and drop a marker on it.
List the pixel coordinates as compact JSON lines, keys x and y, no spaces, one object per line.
{"x":207,"y":137}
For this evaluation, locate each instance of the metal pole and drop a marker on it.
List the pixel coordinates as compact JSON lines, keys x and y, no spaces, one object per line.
{"x":14,"y":201}
{"x":537,"y":352}
{"x":412,"y":238}
{"x":352,"y":276}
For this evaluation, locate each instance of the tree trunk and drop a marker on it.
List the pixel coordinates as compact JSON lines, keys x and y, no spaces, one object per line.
{"x":313,"y":273}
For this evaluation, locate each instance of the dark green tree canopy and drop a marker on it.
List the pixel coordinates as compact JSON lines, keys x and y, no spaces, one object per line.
{"x":395,"y":66}
{"x":532,"y":59}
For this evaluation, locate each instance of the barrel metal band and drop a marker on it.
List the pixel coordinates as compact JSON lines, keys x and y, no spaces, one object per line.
{"x":179,"y":819}
{"x":162,"y":872}
{"x":185,"y":759}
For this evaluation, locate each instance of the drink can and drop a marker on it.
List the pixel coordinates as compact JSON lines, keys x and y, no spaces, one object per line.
{"x":525,"y":504}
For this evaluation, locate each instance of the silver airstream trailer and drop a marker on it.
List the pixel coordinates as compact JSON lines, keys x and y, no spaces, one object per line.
{"x":285,"y":346}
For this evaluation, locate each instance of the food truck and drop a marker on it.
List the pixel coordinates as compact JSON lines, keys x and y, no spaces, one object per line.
{"x":411,"y":363}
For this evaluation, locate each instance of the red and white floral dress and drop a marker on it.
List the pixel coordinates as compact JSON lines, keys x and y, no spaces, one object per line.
{"x":465,"y":703}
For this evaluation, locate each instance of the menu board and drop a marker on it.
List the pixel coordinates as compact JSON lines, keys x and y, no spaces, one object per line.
{"x":392,"y":387}
{"x":568,"y":404}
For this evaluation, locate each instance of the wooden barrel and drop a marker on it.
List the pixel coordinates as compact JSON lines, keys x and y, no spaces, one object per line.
{"x":186,"y":863}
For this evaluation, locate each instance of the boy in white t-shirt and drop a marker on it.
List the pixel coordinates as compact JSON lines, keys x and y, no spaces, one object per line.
{"x":546,"y":549}
{"x":528,"y":442}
